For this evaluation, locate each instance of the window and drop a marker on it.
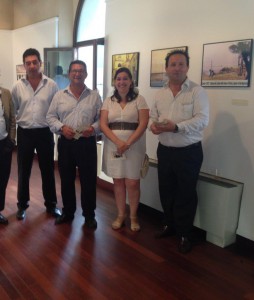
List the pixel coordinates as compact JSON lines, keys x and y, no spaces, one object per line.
{"x":89,"y":34}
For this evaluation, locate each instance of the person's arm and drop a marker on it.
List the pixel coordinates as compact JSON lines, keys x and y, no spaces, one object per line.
{"x":153,"y":119}
{"x":12,"y":120}
{"x":95,"y":126}
{"x":108,"y":132}
{"x":52,"y":117}
{"x":143,"y":115}
{"x":15,"y":101}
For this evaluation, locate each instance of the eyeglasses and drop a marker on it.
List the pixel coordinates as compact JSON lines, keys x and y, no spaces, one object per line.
{"x":78,"y":71}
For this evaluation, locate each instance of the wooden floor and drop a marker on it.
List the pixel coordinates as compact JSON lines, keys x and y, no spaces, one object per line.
{"x":39,"y":260}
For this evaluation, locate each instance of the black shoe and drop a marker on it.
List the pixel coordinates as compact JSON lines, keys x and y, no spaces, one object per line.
{"x":54,"y":211}
{"x":3,"y":220}
{"x":63,"y":219}
{"x":167,"y":231}
{"x":21,"y":213}
{"x":91,"y":223}
{"x":185,"y":245}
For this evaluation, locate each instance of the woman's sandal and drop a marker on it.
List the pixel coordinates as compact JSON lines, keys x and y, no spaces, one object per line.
{"x":134,"y":224}
{"x":118,"y":223}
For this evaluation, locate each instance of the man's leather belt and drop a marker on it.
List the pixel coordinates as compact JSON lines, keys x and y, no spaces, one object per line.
{"x":123,"y":126}
{"x":185,"y":147}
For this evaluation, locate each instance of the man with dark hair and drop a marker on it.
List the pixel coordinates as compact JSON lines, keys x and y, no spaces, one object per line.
{"x":7,"y":143}
{"x":31,"y":97}
{"x":179,"y":114}
{"x":74,"y":115}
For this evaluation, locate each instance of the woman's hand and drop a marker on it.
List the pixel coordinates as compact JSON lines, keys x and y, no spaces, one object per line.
{"x":122,"y":146}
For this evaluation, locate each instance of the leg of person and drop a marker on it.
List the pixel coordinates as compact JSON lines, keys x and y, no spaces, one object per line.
{"x":188,"y":163}
{"x":86,"y":154}
{"x":167,"y":183}
{"x":5,"y":169}
{"x":133,"y":189}
{"x":45,"y":152}
{"x":25,"y":155}
{"x":67,"y":170}
{"x":120,"y":196}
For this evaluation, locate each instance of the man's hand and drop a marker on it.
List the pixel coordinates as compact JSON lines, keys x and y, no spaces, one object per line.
{"x":88,"y":132}
{"x":158,"y":128}
{"x":68,"y":132}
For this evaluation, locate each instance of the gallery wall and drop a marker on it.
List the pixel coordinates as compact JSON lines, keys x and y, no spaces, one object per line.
{"x":39,"y":35}
{"x":142,"y":26}
{"x":6,"y":59}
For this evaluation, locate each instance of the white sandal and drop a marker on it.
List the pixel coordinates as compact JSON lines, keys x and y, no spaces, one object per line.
{"x":135,"y":224}
{"x":118,"y":223}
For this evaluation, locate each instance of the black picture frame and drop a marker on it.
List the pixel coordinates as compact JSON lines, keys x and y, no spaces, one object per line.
{"x":157,"y":72}
{"x":227,"y":64}
{"x":128,"y":60}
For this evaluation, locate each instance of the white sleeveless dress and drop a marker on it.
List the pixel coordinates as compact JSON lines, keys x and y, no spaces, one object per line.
{"x":129,"y":166}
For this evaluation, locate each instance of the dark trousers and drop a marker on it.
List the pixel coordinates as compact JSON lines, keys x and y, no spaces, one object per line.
{"x":6,"y":148}
{"x":178,"y":171}
{"x":41,"y":140}
{"x":81,"y":154}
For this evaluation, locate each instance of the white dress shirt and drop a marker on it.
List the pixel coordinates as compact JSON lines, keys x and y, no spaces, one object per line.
{"x":66,"y":109}
{"x":189,"y":109}
{"x":32,"y":106}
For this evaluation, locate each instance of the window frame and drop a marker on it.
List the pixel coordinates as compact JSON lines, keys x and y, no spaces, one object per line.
{"x":94,"y":42}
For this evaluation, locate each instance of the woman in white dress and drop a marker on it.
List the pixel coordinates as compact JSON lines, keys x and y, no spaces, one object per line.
{"x":124,"y":118}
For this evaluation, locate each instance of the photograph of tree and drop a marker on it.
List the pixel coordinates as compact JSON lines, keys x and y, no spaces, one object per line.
{"x":227,"y":64}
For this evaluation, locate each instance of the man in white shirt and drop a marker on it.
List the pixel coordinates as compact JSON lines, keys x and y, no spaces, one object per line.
{"x":7,"y":143}
{"x":74,"y":115}
{"x":179,"y":114}
{"x":31,"y":97}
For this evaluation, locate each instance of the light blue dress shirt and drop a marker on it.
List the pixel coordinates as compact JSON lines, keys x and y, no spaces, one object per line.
{"x":32,"y":106}
{"x":66,"y":109}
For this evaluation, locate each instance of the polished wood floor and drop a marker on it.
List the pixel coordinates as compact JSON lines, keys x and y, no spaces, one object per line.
{"x":39,"y":260}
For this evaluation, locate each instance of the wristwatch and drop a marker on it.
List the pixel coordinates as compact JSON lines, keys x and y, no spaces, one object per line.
{"x":176,"y":129}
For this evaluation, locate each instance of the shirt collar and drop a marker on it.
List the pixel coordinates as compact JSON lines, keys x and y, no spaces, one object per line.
{"x":44,"y":78}
{"x":85,"y":92}
{"x":186,"y":83}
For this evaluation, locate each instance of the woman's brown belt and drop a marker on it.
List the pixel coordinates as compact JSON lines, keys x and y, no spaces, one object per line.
{"x":123,"y":126}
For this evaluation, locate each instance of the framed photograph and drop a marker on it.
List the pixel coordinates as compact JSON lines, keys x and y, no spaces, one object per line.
{"x":157,"y":74}
{"x":128,"y":60}
{"x":227,"y":64}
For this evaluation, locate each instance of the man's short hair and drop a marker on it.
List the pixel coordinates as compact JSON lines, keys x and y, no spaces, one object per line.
{"x":31,"y":51}
{"x":185,"y":53}
{"x":78,"y":62}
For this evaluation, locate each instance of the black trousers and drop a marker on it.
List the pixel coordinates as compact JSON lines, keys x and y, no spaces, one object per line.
{"x":81,"y":154}
{"x":178,"y":171}
{"x":6,"y":148}
{"x":41,"y":140}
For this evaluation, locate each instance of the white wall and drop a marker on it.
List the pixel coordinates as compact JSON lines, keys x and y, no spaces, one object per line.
{"x":6,"y":59}
{"x":145,"y":25}
{"x":39,"y":35}
{"x":14,"y":42}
